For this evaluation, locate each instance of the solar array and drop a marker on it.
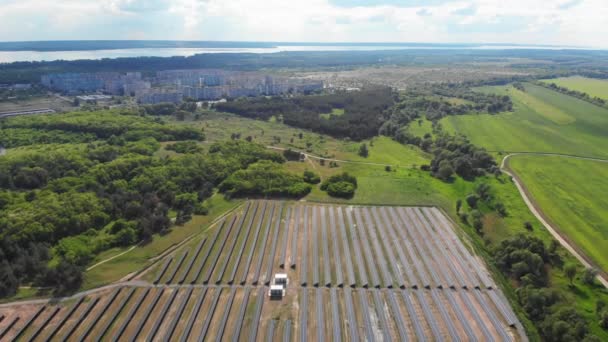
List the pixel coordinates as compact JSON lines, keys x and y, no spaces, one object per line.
{"x":355,"y":273}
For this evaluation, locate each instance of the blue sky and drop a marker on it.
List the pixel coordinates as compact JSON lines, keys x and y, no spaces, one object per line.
{"x":561,"y":22}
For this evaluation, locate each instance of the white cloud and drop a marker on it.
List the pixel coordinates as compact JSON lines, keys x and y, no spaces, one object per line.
{"x":570,"y":22}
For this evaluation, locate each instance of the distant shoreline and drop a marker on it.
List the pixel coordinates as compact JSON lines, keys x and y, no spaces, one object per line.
{"x":91,"y":45}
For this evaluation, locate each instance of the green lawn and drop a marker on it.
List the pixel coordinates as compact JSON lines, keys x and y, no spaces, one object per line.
{"x":591,"y":86}
{"x":534,"y":126}
{"x":572,"y":194}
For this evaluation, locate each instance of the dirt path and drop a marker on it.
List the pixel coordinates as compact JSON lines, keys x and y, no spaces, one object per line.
{"x":308,"y":155}
{"x":535,"y":209}
{"x":111,"y":258}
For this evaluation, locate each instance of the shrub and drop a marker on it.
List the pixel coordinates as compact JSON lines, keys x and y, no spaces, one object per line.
{"x":363,"y":151}
{"x":292,"y":155}
{"x":472,"y":200}
{"x":311,"y":177}
{"x":341,"y":189}
{"x":341,"y":185}
{"x":588,"y":276}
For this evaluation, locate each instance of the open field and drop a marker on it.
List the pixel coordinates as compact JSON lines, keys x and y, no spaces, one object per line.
{"x":542,"y":121}
{"x":401,"y":77}
{"x":571,"y":193}
{"x":51,"y":102}
{"x":591,"y":86}
{"x":378,"y":272}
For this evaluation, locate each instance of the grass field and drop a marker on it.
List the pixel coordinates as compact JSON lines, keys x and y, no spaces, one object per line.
{"x":591,"y":86}
{"x":572,"y":193}
{"x":535,"y":127}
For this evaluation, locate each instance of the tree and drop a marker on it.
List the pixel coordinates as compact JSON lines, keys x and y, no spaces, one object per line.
{"x":311,"y":177}
{"x":589,"y":275}
{"x":472,"y":200}
{"x":604,"y":319}
{"x":341,"y":189}
{"x":458,"y":205}
{"x":445,"y":170}
{"x":570,"y":272}
{"x":528,"y":225}
{"x":363,"y":151}
{"x":500,"y":208}
{"x":387,"y":168}
{"x":181,"y":115}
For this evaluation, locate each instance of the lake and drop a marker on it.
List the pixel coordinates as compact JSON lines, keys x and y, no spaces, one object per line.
{"x":30,"y":56}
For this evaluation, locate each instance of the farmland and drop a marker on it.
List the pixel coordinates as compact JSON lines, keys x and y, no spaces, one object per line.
{"x":354,"y":273}
{"x":571,"y":192}
{"x":542,"y":121}
{"x":591,"y":86}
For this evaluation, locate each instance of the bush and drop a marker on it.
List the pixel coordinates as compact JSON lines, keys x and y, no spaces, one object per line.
{"x":472,"y":200}
{"x":341,"y":189}
{"x":292,"y":155}
{"x":588,"y":276}
{"x":363,"y":151}
{"x":264,"y":178}
{"x":311,"y":177}
{"x":341,"y":185}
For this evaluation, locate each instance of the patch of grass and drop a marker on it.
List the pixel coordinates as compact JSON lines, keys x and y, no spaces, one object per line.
{"x":384,"y":150}
{"x":334,"y":112}
{"x":572,"y":194}
{"x":139,"y":258}
{"x":541,"y":107}
{"x":591,"y":86}
{"x":420,"y":127}
{"x":525,"y":129}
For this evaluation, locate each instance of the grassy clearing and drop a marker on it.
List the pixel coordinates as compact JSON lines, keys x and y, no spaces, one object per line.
{"x":528,"y":128}
{"x":591,"y":86}
{"x":383,"y":150}
{"x":420,"y":127}
{"x":139,"y":258}
{"x":334,"y":112}
{"x":572,"y":193}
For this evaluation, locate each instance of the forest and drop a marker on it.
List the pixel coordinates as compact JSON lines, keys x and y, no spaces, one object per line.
{"x":74,"y":196}
{"x":364,"y":111}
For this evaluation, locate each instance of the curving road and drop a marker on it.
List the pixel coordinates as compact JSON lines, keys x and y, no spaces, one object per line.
{"x":601,"y":277}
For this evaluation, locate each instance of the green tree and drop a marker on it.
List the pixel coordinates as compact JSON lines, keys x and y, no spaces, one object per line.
{"x":472,"y":200}
{"x":311,"y":177}
{"x":570,"y":272}
{"x":588,"y":276}
{"x":445,"y":170}
{"x":363,"y":150}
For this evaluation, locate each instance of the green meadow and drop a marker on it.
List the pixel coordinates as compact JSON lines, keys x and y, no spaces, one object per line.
{"x":572,"y":194}
{"x":542,"y":121}
{"x":591,"y":86}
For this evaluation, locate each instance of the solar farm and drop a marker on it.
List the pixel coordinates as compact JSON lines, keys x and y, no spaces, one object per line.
{"x":354,"y":273}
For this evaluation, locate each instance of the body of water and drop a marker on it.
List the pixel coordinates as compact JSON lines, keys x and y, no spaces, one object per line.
{"x":30,"y":56}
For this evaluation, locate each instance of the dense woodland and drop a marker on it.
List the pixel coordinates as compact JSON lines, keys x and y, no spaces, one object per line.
{"x":363,"y":111}
{"x":63,"y":202}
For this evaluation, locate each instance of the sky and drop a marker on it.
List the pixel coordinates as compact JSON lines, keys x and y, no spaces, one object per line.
{"x":545,"y":22}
